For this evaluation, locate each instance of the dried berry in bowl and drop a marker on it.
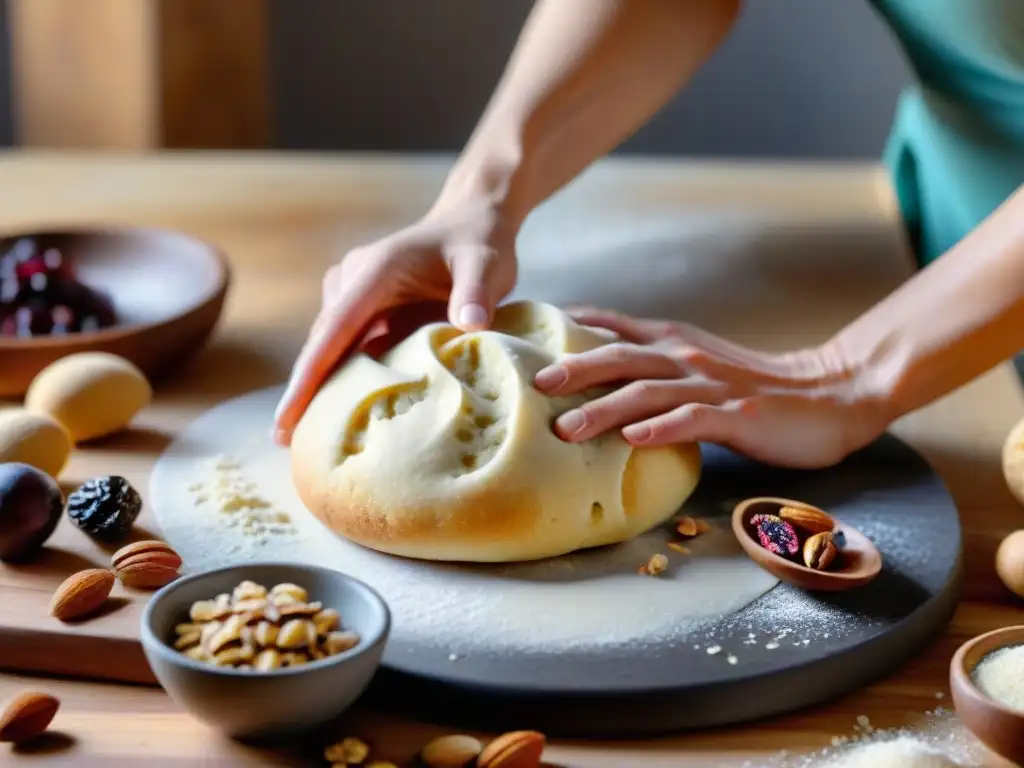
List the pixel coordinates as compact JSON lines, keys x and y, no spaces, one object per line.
{"x":41,"y":295}
{"x":776,"y":535}
{"x":105,"y":507}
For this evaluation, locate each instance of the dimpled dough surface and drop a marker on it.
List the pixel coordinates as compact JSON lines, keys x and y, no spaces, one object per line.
{"x":444,"y":450}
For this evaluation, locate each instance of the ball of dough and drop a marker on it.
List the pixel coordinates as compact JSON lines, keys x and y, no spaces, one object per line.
{"x":444,"y":450}
{"x":91,"y":394}
{"x":33,"y":439}
{"x":1013,"y":461}
{"x":1010,"y":562}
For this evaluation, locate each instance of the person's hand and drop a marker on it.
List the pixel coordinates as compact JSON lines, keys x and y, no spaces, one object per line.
{"x":805,"y":409}
{"x":458,"y":258}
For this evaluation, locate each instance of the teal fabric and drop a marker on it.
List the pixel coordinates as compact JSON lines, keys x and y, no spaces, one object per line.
{"x":956,"y":150}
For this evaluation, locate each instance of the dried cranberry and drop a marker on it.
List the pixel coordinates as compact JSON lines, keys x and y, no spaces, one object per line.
{"x":776,"y":535}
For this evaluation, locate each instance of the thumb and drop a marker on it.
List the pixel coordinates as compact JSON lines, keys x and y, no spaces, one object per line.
{"x":474,"y":295}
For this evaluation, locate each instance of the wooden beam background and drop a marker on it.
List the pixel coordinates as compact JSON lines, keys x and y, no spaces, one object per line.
{"x":140,"y":74}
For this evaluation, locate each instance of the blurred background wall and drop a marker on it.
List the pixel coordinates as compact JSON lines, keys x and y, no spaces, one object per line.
{"x":797,"y":78}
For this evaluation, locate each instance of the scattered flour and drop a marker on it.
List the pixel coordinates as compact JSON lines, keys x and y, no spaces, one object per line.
{"x":901,"y":752}
{"x":573,"y":603}
{"x":939,"y":740}
{"x":225,"y":488}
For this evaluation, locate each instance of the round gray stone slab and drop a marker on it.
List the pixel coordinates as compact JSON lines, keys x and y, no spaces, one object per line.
{"x":789,"y":649}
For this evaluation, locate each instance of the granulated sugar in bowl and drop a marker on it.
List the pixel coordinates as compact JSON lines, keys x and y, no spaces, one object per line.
{"x":1000,"y":676}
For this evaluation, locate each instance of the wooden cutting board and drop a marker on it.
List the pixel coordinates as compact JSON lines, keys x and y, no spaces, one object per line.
{"x":106,"y":645}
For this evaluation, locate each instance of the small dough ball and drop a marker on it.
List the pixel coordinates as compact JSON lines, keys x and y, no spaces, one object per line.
{"x":92,"y":394}
{"x":444,"y":450}
{"x":34,"y":439}
{"x":1013,"y":461}
{"x":1010,"y":562}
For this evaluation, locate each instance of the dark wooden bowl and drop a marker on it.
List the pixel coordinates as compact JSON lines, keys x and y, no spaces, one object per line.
{"x":998,"y":727}
{"x":860,"y":559}
{"x":167,"y":288}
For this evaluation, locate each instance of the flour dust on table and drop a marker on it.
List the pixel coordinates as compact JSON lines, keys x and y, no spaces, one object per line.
{"x":223,"y":494}
{"x":937,"y":740}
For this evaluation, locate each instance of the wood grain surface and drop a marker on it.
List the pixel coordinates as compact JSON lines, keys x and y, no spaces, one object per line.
{"x":792,"y":253}
{"x":140,"y":75}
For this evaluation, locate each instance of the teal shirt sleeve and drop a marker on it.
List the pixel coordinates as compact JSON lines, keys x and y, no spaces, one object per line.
{"x":956,"y":150}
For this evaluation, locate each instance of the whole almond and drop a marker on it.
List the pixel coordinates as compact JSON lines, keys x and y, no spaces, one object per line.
{"x":81,"y":593}
{"x":27,"y":715}
{"x":151,"y":548}
{"x":807,"y":519}
{"x":149,"y":564}
{"x":454,"y":751}
{"x":819,"y":551}
{"x":518,"y":749}
{"x":146,"y":574}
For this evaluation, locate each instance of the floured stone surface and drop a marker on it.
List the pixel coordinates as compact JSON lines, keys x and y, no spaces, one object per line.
{"x":714,"y":633}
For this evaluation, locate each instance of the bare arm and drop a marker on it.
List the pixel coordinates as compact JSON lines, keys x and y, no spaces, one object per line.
{"x":584,"y":76}
{"x":952,"y":322}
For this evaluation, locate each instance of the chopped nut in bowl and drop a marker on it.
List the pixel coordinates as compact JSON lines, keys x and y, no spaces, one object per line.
{"x":265,"y":649}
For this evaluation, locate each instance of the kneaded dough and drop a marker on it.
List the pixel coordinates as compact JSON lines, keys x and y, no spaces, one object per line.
{"x":444,"y":450}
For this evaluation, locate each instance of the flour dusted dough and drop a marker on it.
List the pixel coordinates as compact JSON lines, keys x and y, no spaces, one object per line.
{"x":444,"y":450}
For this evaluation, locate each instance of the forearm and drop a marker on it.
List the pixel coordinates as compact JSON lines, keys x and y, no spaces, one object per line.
{"x":952,"y":322}
{"x":584,"y":76}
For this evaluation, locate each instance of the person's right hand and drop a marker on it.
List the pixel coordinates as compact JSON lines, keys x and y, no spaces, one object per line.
{"x":462,"y":256}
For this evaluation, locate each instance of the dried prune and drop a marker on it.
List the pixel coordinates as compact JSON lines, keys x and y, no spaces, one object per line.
{"x":105,"y":507}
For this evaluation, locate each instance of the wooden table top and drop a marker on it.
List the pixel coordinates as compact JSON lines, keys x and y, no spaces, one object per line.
{"x":772,"y":254}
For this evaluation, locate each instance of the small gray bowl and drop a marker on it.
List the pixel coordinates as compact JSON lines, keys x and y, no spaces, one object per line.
{"x":251,"y":704}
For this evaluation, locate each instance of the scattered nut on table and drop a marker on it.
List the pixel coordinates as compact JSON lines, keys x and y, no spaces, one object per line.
{"x":260,"y":630}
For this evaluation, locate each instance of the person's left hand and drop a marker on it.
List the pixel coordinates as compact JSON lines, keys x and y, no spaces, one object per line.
{"x":805,"y":409}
